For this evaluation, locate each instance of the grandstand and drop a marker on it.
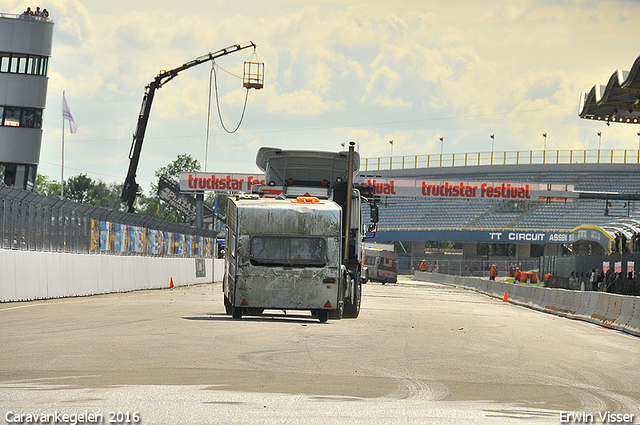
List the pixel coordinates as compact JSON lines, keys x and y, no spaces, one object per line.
{"x":583,"y":222}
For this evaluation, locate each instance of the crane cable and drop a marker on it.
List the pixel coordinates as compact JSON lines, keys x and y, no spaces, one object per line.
{"x":244,"y":108}
{"x":213,"y":80}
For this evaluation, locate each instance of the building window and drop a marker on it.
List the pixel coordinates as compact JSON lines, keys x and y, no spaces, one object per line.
{"x":20,"y":117}
{"x":16,"y":63}
{"x":43,"y":65}
{"x":12,"y":117}
{"x":4,"y":62}
{"x":18,"y":175}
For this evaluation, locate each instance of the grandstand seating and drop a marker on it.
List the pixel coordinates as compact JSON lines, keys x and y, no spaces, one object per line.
{"x":408,"y":213}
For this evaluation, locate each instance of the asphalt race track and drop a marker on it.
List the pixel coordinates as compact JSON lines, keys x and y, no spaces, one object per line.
{"x":419,"y":353}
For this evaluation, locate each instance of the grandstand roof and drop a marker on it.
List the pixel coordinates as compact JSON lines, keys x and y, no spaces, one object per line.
{"x":617,"y":101}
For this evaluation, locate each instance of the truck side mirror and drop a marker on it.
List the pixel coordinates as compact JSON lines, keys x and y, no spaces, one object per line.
{"x":374,"y":213}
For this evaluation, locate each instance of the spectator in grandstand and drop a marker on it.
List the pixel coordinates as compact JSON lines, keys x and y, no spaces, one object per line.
{"x":616,"y":243}
{"x":623,"y":244}
{"x":634,"y":242}
{"x":423,"y":266}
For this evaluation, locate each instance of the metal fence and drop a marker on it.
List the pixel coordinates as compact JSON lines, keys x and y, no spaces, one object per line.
{"x":29,"y":221}
{"x":587,"y":156}
{"x":465,"y":267}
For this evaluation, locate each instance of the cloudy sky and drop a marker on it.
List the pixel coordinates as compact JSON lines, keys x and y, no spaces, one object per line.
{"x":407,"y":71}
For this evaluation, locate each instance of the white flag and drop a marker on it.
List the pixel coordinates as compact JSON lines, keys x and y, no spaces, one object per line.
{"x":66,"y":115}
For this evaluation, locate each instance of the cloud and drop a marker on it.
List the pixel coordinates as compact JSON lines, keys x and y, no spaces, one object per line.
{"x":301,"y":102}
{"x":334,"y":72}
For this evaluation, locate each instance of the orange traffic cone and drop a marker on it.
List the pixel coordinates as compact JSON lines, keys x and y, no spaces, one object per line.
{"x":171,"y":284}
{"x":505,"y":296}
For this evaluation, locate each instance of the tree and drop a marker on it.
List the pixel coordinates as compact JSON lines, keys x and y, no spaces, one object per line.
{"x":182,"y":164}
{"x":83,"y":189}
{"x":151,"y":206}
{"x":46,"y":187}
{"x":77,"y":188}
{"x":106,"y":195}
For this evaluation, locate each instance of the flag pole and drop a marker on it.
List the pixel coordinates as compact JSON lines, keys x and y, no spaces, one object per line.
{"x":62,"y":168}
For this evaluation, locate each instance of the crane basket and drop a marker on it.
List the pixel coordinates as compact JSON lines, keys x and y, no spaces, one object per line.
{"x":253,"y":77}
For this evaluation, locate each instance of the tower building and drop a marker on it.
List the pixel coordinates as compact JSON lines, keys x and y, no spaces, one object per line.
{"x":25,"y":49}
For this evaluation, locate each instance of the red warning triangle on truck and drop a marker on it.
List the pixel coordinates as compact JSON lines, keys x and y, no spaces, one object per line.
{"x":328,"y":305}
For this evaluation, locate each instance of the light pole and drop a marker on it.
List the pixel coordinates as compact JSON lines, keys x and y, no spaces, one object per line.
{"x":638,"y":141}
{"x":545,"y":140}
{"x":391,"y":143}
{"x":599,"y":139}
{"x":493,"y":138}
{"x":441,"y":145}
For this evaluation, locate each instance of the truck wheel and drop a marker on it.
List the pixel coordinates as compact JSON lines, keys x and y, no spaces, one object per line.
{"x":352,"y":307}
{"x":236,"y":312}
{"x":323,"y":316}
{"x":227,"y":305}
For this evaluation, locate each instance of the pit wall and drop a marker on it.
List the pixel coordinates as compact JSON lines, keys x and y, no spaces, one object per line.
{"x":31,"y":275}
{"x":620,"y":312}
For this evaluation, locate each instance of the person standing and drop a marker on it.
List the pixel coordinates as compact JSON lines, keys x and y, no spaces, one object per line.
{"x":493,"y":273}
{"x":593,"y":279}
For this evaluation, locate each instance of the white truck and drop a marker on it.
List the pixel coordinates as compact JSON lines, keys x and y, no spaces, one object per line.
{"x":297,"y":243}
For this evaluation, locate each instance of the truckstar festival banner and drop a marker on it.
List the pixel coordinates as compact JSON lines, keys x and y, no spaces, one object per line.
{"x":236,"y":182}
{"x":466,"y":190}
{"x":226,"y":182}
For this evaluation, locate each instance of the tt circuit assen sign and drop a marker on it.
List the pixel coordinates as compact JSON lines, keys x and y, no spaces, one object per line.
{"x":445,"y":189}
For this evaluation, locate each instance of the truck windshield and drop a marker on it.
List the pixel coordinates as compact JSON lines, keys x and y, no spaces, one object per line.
{"x":288,"y":251}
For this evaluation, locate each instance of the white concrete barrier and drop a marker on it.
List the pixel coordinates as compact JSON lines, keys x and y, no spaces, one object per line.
{"x":601,"y":315}
{"x":535,"y":292}
{"x":614,"y":309}
{"x":633,"y":325}
{"x":626,"y":313}
{"x":620,"y":312}
{"x":30,"y":275}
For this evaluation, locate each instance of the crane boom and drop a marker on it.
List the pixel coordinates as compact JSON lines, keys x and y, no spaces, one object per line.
{"x":130,"y":188}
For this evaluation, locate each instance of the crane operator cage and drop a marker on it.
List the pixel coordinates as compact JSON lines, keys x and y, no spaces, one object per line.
{"x":253,"y":77}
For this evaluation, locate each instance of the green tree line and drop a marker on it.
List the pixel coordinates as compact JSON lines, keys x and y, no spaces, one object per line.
{"x":84,"y":189}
